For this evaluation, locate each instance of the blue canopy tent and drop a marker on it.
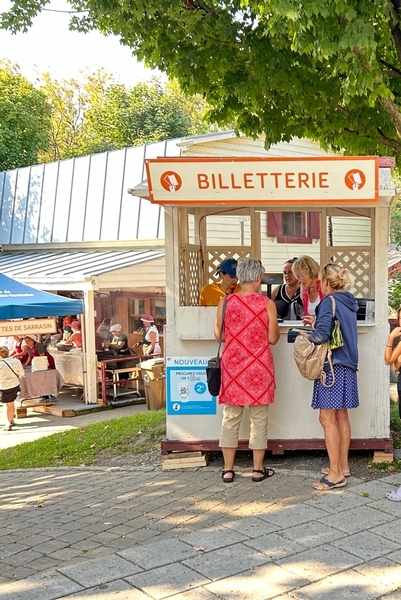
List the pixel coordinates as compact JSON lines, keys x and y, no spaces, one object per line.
{"x":19,"y":301}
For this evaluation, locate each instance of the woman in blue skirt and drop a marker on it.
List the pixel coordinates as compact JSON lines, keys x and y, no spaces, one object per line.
{"x":334,"y":402}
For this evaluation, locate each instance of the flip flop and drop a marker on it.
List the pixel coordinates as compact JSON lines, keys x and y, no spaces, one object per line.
{"x":330,"y":485}
{"x":228,"y":479}
{"x":326,"y":471}
{"x":266,"y":473}
{"x":394,"y":495}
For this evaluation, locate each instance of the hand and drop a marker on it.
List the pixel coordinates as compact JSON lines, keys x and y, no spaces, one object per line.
{"x":395,"y":333}
{"x":136,"y":345}
{"x":308,"y":320}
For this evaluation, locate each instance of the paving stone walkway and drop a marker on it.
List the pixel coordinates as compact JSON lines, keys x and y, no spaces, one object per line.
{"x":102,"y":534}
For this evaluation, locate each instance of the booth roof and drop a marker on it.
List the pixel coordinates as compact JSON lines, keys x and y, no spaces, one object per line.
{"x":21,"y":301}
{"x":70,"y":265}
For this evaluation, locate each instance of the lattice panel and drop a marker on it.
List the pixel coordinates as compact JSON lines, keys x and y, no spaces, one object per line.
{"x":190,"y":279}
{"x":215,"y":256}
{"x":359,"y":261}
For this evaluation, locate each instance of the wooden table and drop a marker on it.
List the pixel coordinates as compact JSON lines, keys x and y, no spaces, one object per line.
{"x":40,"y":383}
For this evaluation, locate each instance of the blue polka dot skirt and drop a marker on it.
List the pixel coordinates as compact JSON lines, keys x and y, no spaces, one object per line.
{"x":343,"y":394}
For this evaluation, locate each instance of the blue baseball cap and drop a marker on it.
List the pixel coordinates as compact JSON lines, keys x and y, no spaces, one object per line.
{"x":229,"y":266}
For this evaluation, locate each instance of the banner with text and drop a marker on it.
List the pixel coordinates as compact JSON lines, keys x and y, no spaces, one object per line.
{"x":21,"y":328}
{"x":263,"y":180}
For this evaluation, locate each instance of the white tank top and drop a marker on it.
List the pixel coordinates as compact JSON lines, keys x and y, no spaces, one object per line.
{"x":312,"y":307}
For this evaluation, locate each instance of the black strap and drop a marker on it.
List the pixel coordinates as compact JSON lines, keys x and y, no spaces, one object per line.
{"x":221,"y":328}
{"x":4,"y":360}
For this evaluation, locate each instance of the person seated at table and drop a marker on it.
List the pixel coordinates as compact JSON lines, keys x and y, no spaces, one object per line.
{"x":287,"y":297}
{"x":21,"y":350}
{"x":212,"y":294}
{"x":76,"y":337}
{"x":37,"y":349}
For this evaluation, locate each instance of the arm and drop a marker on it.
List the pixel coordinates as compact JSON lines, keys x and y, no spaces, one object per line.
{"x":217,"y":324}
{"x":391,"y":355}
{"x":323,"y":323}
{"x":273,"y":334}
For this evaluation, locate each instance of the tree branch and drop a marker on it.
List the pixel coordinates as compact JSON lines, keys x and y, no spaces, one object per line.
{"x":391,"y":67}
{"x":394,"y":24}
{"x":389,"y":142}
{"x":393,"y":112}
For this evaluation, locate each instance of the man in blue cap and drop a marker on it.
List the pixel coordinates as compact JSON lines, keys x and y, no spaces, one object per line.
{"x":212,"y":294}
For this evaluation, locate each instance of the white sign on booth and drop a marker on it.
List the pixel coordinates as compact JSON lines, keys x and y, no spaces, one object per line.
{"x":328,"y":180}
{"x":22,"y":328}
{"x":186,"y":387}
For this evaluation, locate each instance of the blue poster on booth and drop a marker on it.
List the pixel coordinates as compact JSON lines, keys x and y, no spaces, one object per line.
{"x":186,"y":388}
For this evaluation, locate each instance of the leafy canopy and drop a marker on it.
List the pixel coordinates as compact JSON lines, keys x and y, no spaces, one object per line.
{"x":24,"y":119}
{"x":326,"y":69}
{"x":96,"y":114}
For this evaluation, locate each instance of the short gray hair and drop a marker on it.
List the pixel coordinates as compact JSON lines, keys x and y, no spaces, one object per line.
{"x":249,"y":270}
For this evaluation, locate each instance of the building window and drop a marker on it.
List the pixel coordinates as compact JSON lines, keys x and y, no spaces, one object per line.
{"x":293,"y":227}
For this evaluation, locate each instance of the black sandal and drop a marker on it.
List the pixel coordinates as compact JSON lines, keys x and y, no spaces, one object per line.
{"x":266,"y":473}
{"x":230,"y":479}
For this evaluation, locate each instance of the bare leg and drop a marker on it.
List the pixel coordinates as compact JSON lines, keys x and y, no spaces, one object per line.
{"x":328,"y":419}
{"x":344,"y":428}
{"x":258,"y":457}
{"x":229,"y":458}
{"x":10,"y":411}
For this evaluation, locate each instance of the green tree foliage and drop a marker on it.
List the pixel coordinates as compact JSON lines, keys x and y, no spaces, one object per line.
{"x":24,"y":119}
{"x":326,"y":69}
{"x":98,"y":114}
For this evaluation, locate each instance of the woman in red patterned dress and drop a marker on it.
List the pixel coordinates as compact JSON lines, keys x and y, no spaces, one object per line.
{"x":247,"y":369}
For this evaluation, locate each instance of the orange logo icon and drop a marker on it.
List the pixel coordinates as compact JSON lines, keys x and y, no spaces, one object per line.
{"x":171,"y":181}
{"x":355,"y":179}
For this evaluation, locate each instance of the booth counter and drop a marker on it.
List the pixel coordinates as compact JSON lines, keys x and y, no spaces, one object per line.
{"x":70,"y":365}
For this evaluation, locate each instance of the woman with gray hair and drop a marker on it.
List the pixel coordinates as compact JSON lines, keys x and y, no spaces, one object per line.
{"x":247,"y":371}
{"x":10,"y":372}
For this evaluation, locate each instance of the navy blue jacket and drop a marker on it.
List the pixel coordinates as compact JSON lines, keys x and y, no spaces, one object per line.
{"x":346,"y":309}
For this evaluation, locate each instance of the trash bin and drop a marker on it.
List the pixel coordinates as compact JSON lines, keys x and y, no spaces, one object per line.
{"x":153,"y":375}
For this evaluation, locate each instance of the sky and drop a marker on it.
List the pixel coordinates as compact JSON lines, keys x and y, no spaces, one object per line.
{"x":49,"y":46}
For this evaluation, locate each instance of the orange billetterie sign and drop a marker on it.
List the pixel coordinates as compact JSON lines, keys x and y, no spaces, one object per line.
{"x":324,"y":180}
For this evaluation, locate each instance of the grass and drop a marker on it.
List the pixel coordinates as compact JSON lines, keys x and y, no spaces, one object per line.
{"x":78,"y":447}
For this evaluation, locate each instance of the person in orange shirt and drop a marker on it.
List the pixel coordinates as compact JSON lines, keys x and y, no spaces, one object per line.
{"x":212,"y":294}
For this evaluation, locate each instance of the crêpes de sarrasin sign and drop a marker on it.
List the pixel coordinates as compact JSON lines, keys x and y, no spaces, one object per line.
{"x":28,"y":326}
{"x":262,"y":180}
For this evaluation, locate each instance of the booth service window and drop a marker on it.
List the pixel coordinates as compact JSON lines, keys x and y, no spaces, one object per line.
{"x":296,"y":227}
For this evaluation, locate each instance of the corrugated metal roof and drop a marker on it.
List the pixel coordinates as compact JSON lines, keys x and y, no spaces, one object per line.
{"x":74,"y":264}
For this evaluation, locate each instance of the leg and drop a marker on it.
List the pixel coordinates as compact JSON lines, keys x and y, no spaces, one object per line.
{"x":258,"y":416}
{"x":328,"y":420}
{"x":8,"y":412}
{"x":344,"y":428}
{"x":232,"y":416}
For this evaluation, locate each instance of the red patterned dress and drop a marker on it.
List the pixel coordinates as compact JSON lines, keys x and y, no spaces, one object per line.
{"x":247,"y":367}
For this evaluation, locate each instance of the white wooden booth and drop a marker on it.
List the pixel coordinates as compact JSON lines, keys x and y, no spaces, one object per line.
{"x":196,"y":190}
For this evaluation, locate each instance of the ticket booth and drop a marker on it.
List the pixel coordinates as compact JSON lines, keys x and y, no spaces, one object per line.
{"x":195,"y":190}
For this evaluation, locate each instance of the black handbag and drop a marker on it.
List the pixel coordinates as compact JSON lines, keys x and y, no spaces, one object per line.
{"x":213,"y":369}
